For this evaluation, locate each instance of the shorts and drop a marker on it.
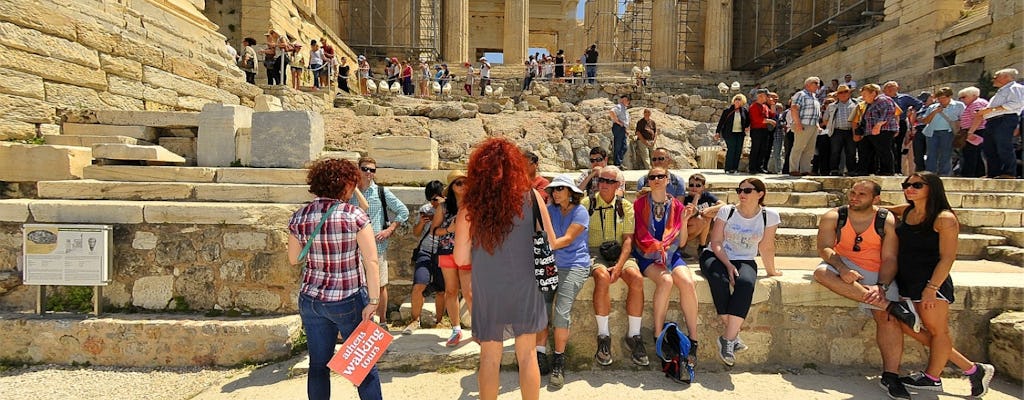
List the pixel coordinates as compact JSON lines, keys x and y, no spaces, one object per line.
{"x":570,"y":282}
{"x":382,"y":263}
{"x":675,"y":260}
{"x":447,"y":261}
{"x":421,"y":272}
{"x":870,"y":278}
{"x":596,"y":261}
{"x":914,"y":291}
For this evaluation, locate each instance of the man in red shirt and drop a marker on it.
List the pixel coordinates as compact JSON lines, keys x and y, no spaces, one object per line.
{"x":762,"y":124}
{"x":329,"y":65}
{"x":539,"y":182}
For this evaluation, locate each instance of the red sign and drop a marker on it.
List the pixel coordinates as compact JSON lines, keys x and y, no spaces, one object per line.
{"x":360,"y":352}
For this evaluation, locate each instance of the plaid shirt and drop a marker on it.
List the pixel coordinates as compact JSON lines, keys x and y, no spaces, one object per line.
{"x":842,"y":113}
{"x":377,"y":211}
{"x":882,"y":109}
{"x":332,"y":271}
{"x":809,"y":107}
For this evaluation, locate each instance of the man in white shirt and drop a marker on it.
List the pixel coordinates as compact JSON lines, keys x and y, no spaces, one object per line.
{"x":1001,"y":117}
{"x":485,"y":74}
{"x":231,"y":50}
{"x":849,"y":82}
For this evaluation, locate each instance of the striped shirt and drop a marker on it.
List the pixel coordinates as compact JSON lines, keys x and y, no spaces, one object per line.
{"x":967,"y":118}
{"x":377,"y":210}
{"x":332,"y":271}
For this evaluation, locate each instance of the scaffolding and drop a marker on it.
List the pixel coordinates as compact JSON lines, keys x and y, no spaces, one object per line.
{"x":383,"y":28}
{"x":691,"y":34}
{"x":785,"y":28}
{"x":631,"y":31}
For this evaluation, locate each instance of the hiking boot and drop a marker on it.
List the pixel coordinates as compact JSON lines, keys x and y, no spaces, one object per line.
{"x":557,"y":378}
{"x":892,"y":385}
{"x":604,"y":350}
{"x":726,"y":351}
{"x":414,"y":325}
{"x":543,"y":363}
{"x":637,"y":351}
{"x":906,"y":313}
{"x":980,"y":379}
{"x":454,"y":339}
{"x":739,"y":346}
{"x":919,"y":381}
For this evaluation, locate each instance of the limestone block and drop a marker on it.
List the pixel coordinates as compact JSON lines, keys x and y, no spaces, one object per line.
{"x":126,"y":87}
{"x":28,"y":163}
{"x":14,"y":210}
{"x":404,"y":152}
{"x":21,"y":84}
{"x":265,"y":102}
{"x":243,"y":146}
{"x":26,"y":109}
{"x":156,"y":119}
{"x":1007,"y":254}
{"x":370,"y":109}
{"x":245,"y":240}
{"x":100,"y":190}
{"x":16,"y":130}
{"x":1006,"y":345}
{"x":182,"y":146}
{"x":121,"y":66}
{"x":43,"y":19}
{"x":135,"y":152}
{"x":190,"y":69}
{"x":153,"y":292}
{"x":275,"y":176}
{"x":94,"y":212}
{"x":52,"y":69}
{"x":144,"y":241}
{"x":239,"y":87}
{"x":288,"y":139}
{"x":49,"y":129}
{"x":409,"y":177}
{"x":1014,"y":235}
{"x":167,"y":97}
{"x":132,"y":131}
{"x":218,"y":127}
{"x":33,"y":41}
{"x":133,"y":173}
{"x":71,"y":96}
{"x":214,"y":213}
{"x":120,"y":102}
{"x":1013,"y":200}
{"x":292,"y":194}
{"x":87,"y":140}
{"x":352,"y":156}
{"x":160,"y":78}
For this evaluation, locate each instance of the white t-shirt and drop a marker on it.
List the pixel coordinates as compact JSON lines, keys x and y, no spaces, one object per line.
{"x":742,"y":235}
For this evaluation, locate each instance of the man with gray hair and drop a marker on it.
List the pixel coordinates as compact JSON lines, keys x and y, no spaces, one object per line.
{"x":1001,"y":117}
{"x":805,"y":111}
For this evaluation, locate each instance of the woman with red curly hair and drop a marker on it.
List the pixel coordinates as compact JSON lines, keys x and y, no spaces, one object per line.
{"x":494,"y":231}
{"x":332,"y":295}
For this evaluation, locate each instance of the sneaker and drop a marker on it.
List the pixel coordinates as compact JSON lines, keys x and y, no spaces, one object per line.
{"x":892,"y":385}
{"x":906,"y":313}
{"x":604,"y":350}
{"x":919,"y":381}
{"x":414,"y":325}
{"x":557,"y":378}
{"x":691,"y":361}
{"x":637,"y":351}
{"x":454,"y":339}
{"x":739,"y":347}
{"x":726,"y":351}
{"x":980,"y":379}
{"x":544,"y":363}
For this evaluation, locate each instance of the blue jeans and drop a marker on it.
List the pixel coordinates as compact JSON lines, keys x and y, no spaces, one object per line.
{"x":618,"y":144}
{"x":998,"y":145}
{"x":322,"y":322}
{"x":940,"y":153}
{"x":591,"y":73}
{"x":316,"y":73}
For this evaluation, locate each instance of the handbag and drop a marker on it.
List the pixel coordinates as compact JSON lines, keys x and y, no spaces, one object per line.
{"x":436,"y":284}
{"x":959,"y":135}
{"x":543,"y":258}
{"x":303,"y":255}
{"x":446,"y":243}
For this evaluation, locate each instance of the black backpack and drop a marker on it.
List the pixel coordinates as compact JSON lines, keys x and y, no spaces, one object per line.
{"x":844,"y":214}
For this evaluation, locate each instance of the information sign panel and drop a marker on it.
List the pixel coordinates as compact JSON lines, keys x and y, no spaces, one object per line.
{"x":67,"y":255}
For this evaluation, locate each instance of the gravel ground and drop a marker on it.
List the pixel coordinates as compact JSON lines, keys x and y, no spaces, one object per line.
{"x":61,"y":382}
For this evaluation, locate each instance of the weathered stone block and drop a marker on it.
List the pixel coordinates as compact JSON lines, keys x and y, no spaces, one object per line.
{"x":26,"y":109}
{"x":404,"y":152}
{"x":133,"y":173}
{"x":52,"y":69}
{"x":21,"y":84}
{"x":121,"y":66}
{"x":99,"y":190}
{"x":87,"y":140}
{"x":153,"y":292}
{"x":33,"y":41}
{"x":183,"y":86}
{"x":132,"y":131}
{"x":14,"y":210}
{"x":28,"y":163}
{"x":94,"y":212}
{"x":292,"y":194}
{"x":182,"y":146}
{"x":266,"y":102}
{"x":286,"y":138}
{"x":243,"y":146}
{"x":214,"y":213}
{"x":1006,"y":346}
{"x":156,"y":119}
{"x":144,"y":241}
{"x":218,"y":129}
{"x":245,"y":240}
{"x":16,"y":130}
{"x":270,"y":176}
{"x":135,"y":152}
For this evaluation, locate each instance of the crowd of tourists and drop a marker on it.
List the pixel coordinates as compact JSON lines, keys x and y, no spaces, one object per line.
{"x":487,"y":233}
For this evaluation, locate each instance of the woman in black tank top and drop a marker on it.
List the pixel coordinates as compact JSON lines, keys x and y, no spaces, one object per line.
{"x":927,"y":233}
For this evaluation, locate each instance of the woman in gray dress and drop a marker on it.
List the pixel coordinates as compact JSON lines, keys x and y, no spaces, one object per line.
{"x":494,"y":231}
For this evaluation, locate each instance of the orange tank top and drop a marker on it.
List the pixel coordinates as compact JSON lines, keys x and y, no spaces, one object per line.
{"x":870,"y":255}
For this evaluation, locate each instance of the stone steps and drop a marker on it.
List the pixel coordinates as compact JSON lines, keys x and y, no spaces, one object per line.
{"x":1008,"y":254}
{"x":89,"y":140}
{"x":1000,"y":200}
{"x":803,"y":243}
{"x":980,"y":218}
{"x":131,"y":152}
{"x":140,"y":132}
{"x":1014,"y":236}
{"x":951,"y":184}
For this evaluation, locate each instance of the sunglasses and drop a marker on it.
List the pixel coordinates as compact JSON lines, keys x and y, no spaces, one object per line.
{"x":459,"y":182}
{"x":746,"y":190}
{"x":606,"y":180}
{"x":659,"y":158}
{"x":696,"y":185}
{"x":856,"y":243}
{"x":368,"y":169}
{"x":436,"y":199}
{"x":597,"y":159}
{"x":559,"y":188}
{"x":657,"y":177}
{"x":915,"y":185}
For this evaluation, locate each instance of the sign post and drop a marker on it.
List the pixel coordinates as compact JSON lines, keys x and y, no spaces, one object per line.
{"x":67,"y":255}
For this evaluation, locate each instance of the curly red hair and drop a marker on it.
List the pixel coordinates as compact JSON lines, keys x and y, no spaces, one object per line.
{"x":497,"y":181}
{"x":331,"y":178}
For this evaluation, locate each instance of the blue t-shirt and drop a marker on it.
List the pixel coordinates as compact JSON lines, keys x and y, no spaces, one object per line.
{"x":576,"y":254}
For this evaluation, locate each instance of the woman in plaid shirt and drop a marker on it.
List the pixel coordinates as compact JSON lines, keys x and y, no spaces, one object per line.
{"x":332,"y":294}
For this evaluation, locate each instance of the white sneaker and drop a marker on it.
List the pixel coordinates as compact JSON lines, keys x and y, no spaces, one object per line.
{"x":414,"y":325}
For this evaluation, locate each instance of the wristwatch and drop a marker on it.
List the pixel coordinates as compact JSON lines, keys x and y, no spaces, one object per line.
{"x":884,"y":286}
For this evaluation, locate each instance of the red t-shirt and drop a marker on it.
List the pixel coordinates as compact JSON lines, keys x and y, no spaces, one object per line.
{"x":758,"y":114}
{"x":540,"y":183}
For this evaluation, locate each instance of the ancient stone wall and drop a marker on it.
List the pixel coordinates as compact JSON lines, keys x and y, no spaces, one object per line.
{"x":102,"y":54}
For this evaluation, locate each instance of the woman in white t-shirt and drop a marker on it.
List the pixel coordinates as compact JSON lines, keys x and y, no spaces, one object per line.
{"x":739,"y":233}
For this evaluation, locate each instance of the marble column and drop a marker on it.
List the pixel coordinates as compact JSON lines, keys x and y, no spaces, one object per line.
{"x":607,"y":12}
{"x":455,"y":23}
{"x":664,"y":35}
{"x":330,"y":13}
{"x":516,"y":39}
{"x":718,"y":36}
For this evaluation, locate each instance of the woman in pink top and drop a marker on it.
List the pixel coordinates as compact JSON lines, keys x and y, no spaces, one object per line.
{"x":971,"y":165}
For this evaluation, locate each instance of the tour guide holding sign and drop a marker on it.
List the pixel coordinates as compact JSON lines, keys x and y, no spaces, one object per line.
{"x":332,"y":295}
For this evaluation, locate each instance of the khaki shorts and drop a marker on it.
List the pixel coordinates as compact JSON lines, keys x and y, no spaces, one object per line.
{"x":596,"y":261}
{"x":382,"y":263}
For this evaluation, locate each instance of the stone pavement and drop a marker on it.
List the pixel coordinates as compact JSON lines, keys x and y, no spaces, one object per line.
{"x":273,"y":383}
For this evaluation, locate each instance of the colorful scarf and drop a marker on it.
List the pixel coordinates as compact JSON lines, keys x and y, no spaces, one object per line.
{"x":643,"y":237}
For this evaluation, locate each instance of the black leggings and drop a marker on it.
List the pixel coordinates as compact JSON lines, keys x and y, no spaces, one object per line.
{"x":742,"y":294}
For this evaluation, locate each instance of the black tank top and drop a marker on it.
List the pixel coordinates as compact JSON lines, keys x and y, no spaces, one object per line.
{"x":917,"y":257}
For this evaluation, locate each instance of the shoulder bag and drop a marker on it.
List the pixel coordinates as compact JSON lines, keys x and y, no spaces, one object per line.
{"x":303,"y":255}
{"x":543,"y":258}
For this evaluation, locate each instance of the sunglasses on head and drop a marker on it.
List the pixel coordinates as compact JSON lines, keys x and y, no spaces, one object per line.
{"x":606,"y":180}
{"x":368,"y":169}
{"x":659,"y":158}
{"x":915,"y":185}
{"x":596,"y":159}
{"x":657,"y":177}
{"x":856,"y":243}
{"x":696,"y":185}
{"x":746,"y":190}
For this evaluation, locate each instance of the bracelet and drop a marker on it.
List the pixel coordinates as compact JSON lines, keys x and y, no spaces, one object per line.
{"x":374,"y":302}
{"x":931,"y":285}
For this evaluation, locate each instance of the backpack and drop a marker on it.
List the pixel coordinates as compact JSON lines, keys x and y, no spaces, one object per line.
{"x":764,"y":215}
{"x":844,"y":214}
{"x":673,"y":348}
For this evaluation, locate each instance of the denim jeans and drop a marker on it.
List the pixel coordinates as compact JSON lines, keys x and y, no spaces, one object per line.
{"x":591,"y":73}
{"x":998,"y":145}
{"x":322,"y":322}
{"x":842,"y":148}
{"x":940,"y":153}
{"x":920,"y":148}
{"x":618,"y":144}
{"x":733,"y":150}
{"x":315,"y":68}
{"x":775,"y":160}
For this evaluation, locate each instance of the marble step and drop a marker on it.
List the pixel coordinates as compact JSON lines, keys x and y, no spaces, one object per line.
{"x":803,"y":243}
{"x":951,"y":184}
